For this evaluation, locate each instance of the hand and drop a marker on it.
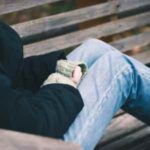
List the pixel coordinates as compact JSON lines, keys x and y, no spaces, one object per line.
{"x":77,"y":74}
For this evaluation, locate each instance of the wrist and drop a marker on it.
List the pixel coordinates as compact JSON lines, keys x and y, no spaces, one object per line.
{"x":58,"y":78}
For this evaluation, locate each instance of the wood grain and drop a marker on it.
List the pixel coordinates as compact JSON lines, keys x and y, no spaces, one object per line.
{"x":75,"y":38}
{"x":144,"y":57}
{"x":119,"y":127}
{"x":10,"y":140}
{"x":131,"y":42}
{"x":141,"y":144}
{"x":8,"y":6}
{"x":47,"y":25}
{"x":126,"y":141}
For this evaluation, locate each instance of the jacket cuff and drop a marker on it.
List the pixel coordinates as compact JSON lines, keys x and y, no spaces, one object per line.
{"x":66,"y":67}
{"x":58,"y":78}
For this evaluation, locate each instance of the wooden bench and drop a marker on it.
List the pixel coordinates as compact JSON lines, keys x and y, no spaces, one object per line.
{"x":10,"y":140}
{"x":122,"y":23}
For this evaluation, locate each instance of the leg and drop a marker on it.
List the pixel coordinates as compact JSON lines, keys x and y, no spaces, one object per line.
{"x":139,"y":103}
{"x":90,"y":51}
{"x":112,"y":81}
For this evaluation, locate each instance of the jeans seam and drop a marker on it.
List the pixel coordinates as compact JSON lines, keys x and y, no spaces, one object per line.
{"x":99,"y":105}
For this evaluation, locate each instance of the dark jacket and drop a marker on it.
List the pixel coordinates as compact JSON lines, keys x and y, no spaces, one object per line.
{"x":24,"y":106}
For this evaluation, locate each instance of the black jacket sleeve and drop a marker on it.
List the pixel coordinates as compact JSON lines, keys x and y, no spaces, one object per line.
{"x":49,"y":111}
{"x":36,"y":69}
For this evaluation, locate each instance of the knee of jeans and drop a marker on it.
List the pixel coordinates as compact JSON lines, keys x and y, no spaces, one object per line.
{"x":115,"y":65}
{"x":115,"y":59}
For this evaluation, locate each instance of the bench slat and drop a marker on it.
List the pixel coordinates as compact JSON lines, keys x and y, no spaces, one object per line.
{"x":142,"y":144}
{"x":144,"y":57}
{"x":8,"y":6}
{"x":119,"y":113}
{"x":120,"y":126}
{"x":21,"y":141}
{"x":126,"y":141}
{"x":73,"y":39}
{"x":129,"y":43}
{"x":47,"y":25}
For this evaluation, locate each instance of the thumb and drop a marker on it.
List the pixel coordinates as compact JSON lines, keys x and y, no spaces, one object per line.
{"x":77,"y":74}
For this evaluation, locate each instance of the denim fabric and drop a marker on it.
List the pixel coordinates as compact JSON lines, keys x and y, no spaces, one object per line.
{"x":114,"y":80}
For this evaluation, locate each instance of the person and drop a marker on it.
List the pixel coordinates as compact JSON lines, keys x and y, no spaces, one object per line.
{"x":78,"y":113}
{"x":114,"y":80}
{"x":27,"y":102}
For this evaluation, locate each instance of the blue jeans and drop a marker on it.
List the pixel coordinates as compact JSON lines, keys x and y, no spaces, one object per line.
{"x":113,"y":81}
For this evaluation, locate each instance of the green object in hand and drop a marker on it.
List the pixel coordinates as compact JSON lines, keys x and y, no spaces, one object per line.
{"x":66,"y":67}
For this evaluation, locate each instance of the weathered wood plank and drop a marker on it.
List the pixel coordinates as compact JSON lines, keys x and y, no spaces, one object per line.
{"x":119,"y":127}
{"x":142,"y":144}
{"x":73,"y":39}
{"x":47,"y":25}
{"x":8,"y":6}
{"x":124,"y":142}
{"x":132,"y":42}
{"x":119,"y":113}
{"x":10,"y":140}
{"x":144,"y":57}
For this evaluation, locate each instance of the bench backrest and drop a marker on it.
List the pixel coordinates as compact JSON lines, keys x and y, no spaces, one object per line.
{"x":63,"y":31}
{"x":22,"y":141}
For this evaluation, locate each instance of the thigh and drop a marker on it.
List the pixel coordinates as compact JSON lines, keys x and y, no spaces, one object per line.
{"x":89,"y":51}
{"x":104,"y":90}
{"x":137,"y":105}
